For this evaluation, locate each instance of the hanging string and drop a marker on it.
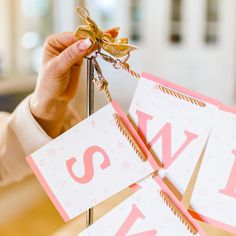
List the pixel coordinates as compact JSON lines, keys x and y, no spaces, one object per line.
{"x":180,"y":95}
{"x":126,"y":67}
{"x":177,"y":212}
{"x":100,"y":82}
{"x":103,"y":85}
{"x":123,"y":129}
{"x":120,"y":64}
{"x":120,"y":48}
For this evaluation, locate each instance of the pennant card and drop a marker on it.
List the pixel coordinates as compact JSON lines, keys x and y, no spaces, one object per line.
{"x":91,"y":162}
{"x":174,"y":122}
{"x":214,"y":195}
{"x":145,"y":213}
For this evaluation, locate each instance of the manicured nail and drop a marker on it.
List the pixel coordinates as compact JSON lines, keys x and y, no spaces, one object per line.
{"x":84,"y":44}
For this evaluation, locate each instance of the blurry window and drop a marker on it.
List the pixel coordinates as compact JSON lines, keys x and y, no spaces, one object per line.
{"x":212,"y":18}
{"x":135,"y":14}
{"x":176,"y":21}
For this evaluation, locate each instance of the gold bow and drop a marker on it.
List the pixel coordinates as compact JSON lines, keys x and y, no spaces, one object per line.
{"x":116,"y":47}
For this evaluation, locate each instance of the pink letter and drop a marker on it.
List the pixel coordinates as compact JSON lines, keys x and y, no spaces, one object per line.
{"x":231,"y":184}
{"x":142,"y":124}
{"x":129,"y":222}
{"x":165,"y":134}
{"x":88,"y":164}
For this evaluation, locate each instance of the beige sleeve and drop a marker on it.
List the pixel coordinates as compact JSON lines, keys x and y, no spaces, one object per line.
{"x":20,"y":135}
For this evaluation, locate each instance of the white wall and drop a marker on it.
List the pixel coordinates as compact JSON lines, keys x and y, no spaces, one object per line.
{"x":209,"y":69}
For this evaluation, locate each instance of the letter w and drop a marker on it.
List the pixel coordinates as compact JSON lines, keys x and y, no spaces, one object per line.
{"x":166,"y":135}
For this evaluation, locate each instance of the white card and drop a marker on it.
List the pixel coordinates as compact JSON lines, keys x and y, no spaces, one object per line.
{"x":175,"y":127}
{"x":214,"y":196}
{"x":144,"y":213}
{"x":88,"y":163}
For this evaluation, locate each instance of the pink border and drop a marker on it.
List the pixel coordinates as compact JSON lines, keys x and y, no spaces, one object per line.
{"x":131,"y":129}
{"x":213,"y":222}
{"x":222,"y":107}
{"x":191,"y":93}
{"x":181,"y":89}
{"x":47,"y":189}
{"x":164,"y":187}
{"x":155,"y":166}
{"x":135,"y":187}
{"x":227,"y":109}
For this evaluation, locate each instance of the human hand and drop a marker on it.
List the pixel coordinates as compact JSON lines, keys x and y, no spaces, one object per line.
{"x":58,"y":79}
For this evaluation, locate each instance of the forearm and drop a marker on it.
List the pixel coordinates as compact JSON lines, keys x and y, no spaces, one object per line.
{"x":50,"y":115}
{"x":20,"y":135}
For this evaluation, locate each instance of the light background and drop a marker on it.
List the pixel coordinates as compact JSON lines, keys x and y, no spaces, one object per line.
{"x":189,"y":42}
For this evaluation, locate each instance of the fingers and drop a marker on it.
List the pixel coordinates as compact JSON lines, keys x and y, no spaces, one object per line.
{"x":58,"y":42}
{"x":68,"y":50}
{"x":72,"y":55}
{"x":74,"y":80}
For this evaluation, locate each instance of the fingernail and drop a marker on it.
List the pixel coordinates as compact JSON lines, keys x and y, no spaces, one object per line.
{"x":84,"y":44}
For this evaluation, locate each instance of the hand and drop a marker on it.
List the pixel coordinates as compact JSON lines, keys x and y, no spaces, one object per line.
{"x":58,"y":79}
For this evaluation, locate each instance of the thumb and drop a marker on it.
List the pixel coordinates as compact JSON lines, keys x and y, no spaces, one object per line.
{"x":73,"y":54}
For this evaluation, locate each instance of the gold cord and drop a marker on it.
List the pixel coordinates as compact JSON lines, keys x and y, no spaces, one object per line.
{"x":123,"y":129}
{"x":180,"y":96}
{"x":103,"y":85}
{"x":126,"y":67}
{"x":168,"y":201}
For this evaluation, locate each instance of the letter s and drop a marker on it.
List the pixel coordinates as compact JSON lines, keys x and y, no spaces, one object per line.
{"x":88,"y":164}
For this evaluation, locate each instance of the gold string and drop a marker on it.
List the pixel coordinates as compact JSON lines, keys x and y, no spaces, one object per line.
{"x":103,"y":85}
{"x":126,"y":67}
{"x":123,"y":129}
{"x":117,"y":47}
{"x":180,"y":96}
{"x":177,"y":212}
{"x":121,"y":48}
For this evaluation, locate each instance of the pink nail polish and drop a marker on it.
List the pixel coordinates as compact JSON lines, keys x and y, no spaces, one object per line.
{"x":84,"y":44}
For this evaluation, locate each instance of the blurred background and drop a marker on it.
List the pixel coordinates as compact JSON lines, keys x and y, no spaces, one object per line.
{"x":189,"y":42}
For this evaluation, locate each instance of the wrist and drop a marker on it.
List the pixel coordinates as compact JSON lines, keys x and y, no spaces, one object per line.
{"x":49,"y":114}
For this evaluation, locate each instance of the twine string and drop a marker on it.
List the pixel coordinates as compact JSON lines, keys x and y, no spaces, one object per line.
{"x":100,"y":82}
